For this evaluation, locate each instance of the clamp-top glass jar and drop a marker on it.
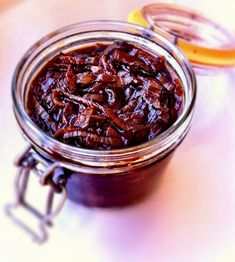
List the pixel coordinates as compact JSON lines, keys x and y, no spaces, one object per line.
{"x":95,"y":177}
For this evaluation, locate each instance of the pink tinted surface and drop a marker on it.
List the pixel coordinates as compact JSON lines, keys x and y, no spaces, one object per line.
{"x":191,"y":215}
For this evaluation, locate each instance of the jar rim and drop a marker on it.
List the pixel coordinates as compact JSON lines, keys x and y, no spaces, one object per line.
{"x":50,"y":144}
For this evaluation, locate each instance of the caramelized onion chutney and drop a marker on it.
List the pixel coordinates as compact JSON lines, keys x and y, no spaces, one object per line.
{"x":105,"y":96}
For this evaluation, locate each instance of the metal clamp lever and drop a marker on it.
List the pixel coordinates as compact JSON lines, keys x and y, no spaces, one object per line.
{"x":27,"y":163}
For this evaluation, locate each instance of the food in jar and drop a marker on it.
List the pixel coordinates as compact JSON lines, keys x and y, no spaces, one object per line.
{"x":105,"y":96}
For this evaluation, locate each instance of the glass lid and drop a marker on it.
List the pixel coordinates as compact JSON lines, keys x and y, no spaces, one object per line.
{"x":205,"y":43}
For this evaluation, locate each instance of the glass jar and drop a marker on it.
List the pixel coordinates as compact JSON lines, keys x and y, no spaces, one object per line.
{"x":95,"y":177}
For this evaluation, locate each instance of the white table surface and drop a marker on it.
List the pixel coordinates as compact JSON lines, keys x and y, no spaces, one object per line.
{"x":190,"y":217}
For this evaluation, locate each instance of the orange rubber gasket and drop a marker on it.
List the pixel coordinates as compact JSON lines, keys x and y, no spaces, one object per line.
{"x":196,"y":54}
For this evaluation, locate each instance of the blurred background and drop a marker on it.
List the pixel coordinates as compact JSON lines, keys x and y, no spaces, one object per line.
{"x":190,"y":217}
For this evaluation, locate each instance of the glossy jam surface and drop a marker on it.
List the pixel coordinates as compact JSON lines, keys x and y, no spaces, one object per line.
{"x":105,"y":96}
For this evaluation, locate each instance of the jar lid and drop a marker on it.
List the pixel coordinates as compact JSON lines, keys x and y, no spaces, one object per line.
{"x":205,"y":43}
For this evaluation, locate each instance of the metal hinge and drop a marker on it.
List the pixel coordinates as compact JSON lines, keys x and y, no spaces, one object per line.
{"x":27,"y":162}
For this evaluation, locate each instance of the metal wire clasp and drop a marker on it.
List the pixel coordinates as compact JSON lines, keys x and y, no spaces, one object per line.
{"x":27,"y":163}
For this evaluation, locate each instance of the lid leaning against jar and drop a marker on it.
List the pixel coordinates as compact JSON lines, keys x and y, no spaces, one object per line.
{"x":205,"y":43}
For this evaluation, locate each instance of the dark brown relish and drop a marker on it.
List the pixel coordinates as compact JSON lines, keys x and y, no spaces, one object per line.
{"x":105,"y":96}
